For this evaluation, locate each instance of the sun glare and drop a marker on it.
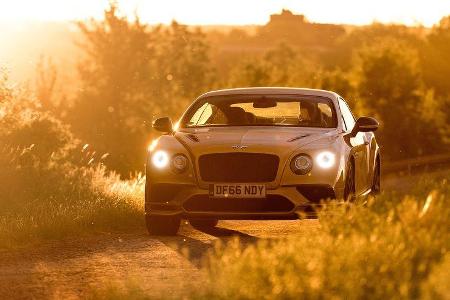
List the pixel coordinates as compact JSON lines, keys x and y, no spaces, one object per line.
{"x":232,"y":12}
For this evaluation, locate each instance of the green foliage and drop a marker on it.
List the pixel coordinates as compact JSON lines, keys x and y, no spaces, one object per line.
{"x":280,"y":66}
{"x":131,"y":290}
{"x":390,"y":85}
{"x":436,"y":57}
{"x":436,"y":66}
{"x":342,"y":55}
{"x":52,"y":187}
{"x":132,"y":73}
{"x":437,"y":286}
{"x":387,"y":249}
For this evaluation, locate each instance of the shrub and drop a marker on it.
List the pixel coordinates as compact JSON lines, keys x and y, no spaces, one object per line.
{"x":386,"y":249}
{"x":52,"y":186}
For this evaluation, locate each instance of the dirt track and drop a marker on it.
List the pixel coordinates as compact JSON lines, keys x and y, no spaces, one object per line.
{"x":74,"y":268}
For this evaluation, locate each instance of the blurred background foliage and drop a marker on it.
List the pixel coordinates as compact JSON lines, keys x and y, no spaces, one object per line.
{"x":52,"y":185}
{"x":129,"y":73}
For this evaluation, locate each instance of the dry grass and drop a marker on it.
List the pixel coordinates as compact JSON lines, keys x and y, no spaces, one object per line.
{"x":392,"y":248}
{"x":65,"y":200}
{"x":51,"y":186}
{"x":395,"y":247}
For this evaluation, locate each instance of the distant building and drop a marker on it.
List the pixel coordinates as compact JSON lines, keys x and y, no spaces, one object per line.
{"x":296,"y":29}
{"x":286,"y":18}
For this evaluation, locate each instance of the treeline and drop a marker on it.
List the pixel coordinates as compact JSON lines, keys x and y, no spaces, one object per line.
{"x":132,"y":72}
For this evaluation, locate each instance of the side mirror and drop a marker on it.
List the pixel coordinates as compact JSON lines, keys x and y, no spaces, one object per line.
{"x":365,"y":124}
{"x":163,"y":124}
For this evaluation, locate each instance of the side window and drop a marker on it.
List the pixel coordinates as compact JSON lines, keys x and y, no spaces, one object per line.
{"x":201,"y":112}
{"x":349,"y":120}
{"x":208,"y":114}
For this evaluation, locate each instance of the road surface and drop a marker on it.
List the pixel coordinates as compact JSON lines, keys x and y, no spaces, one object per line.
{"x":163,"y":267}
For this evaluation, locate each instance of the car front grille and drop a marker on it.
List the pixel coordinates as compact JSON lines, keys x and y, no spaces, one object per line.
{"x":238,"y":167}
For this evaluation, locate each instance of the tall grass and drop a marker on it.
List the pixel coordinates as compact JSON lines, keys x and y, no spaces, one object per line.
{"x":52,"y":186}
{"x":393,"y":248}
{"x":65,"y":201}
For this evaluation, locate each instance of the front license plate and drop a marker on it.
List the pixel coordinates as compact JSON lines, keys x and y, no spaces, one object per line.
{"x":237,"y":190}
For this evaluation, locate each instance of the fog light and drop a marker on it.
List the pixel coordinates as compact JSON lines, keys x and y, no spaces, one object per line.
{"x":301,"y":164}
{"x":160,"y":159}
{"x":179,"y":163}
{"x":325,"y":159}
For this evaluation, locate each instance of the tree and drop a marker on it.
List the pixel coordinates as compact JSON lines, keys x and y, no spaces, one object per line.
{"x":182,"y":66}
{"x":436,"y":58}
{"x":46,"y":83}
{"x":391,"y":86}
{"x":131,"y":74}
{"x":279,"y":66}
{"x":116,"y":81}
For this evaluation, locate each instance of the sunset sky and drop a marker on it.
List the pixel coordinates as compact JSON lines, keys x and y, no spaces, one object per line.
{"x":236,"y":12}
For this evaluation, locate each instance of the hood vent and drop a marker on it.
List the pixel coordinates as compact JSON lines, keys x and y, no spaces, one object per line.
{"x":193,"y":137}
{"x":296,"y":138}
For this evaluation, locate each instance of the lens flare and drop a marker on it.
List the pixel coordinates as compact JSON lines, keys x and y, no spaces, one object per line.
{"x":152,"y":145}
{"x":325,"y":159}
{"x":160,"y":159}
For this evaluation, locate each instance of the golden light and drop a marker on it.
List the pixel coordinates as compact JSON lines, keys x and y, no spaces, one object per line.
{"x":152,"y":145}
{"x":325,"y":159}
{"x":176,"y":126}
{"x":160,"y":159}
{"x":232,"y":11}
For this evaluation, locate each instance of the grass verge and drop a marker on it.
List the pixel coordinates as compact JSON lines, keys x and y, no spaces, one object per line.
{"x":391,"y":248}
{"x":51,"y":186}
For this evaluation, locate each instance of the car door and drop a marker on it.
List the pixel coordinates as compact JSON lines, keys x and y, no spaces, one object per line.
{"x":360,"y":149}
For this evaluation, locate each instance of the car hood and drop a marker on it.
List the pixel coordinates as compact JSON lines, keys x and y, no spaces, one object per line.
{"x":275,"y":140}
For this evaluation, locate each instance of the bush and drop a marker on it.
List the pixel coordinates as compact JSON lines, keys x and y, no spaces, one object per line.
{"x":437,"y":286}
{"x":50,"y":185}
{"x":384,"y":250}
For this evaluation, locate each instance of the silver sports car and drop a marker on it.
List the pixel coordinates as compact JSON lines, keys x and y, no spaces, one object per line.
{"x":258,"y":153}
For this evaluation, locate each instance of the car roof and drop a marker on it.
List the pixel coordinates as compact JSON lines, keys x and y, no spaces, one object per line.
{"x":270,"y":91}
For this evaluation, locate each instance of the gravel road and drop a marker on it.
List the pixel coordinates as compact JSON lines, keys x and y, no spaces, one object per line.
{"x":164,"y":267}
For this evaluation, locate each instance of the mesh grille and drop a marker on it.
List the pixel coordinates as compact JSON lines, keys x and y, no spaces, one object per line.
{"x":238,"y":167}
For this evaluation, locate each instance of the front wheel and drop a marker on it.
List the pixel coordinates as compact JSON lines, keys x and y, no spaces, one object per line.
{"x":162,"y":225}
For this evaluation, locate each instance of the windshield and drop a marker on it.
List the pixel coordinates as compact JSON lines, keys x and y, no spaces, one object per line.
{"x":237,"y":110}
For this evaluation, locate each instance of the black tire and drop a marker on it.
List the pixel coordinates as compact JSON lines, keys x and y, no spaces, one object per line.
{"x":349,"y":189}
{"x":162,"y":225}
{"x":376,"y":184}
{"x":203,"y":223}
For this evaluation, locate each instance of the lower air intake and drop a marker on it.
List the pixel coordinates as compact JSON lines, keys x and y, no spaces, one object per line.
{"x":272,"y":203}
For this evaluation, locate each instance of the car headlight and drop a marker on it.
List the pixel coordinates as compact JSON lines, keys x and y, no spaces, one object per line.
{"x":160,"y":159}
{"x":301,"y":164}
{"x":179,"y":163}
{"x":325,"y":159}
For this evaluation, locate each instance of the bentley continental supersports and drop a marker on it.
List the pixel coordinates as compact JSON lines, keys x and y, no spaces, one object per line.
{"x":258,"y":153}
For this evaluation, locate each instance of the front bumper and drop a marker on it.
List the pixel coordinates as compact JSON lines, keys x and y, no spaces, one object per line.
{"x":190,"y":201}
